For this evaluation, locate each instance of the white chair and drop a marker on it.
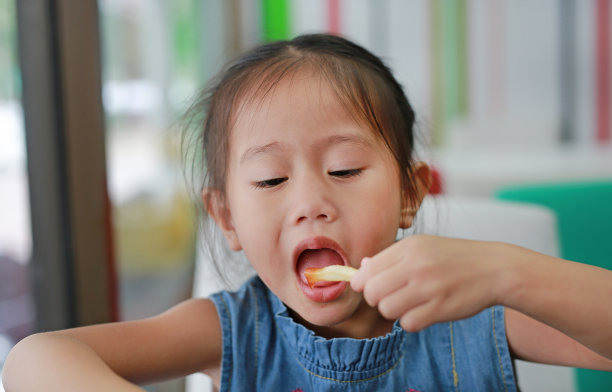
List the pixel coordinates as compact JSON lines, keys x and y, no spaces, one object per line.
{"x":529,"y":226}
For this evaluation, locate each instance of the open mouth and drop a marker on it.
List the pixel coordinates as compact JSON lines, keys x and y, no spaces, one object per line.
{"x":319,"y":252}
{"x":317,"y":258}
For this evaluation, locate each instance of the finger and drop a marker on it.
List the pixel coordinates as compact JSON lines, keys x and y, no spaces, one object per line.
{"x":385,"y":283}
{"x":371,"y":266}
{"x":400,"y":302}
{"x":420,"y":317}
{"x":360,"y":278}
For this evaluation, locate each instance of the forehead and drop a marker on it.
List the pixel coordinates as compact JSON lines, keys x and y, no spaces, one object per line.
{"x":303,"y":101}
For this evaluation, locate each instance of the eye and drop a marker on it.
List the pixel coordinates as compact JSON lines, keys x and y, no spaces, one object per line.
{"x":345,"y":173}
{"x":271,"y":183}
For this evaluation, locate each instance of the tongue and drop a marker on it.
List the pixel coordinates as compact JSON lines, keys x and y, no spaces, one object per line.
{"x":317,"y":258}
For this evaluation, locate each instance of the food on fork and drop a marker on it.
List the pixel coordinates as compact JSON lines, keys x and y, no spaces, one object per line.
{"x":331,"y":273}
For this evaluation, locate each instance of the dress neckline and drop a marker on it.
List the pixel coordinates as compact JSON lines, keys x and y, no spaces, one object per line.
{"x":373,"y":356}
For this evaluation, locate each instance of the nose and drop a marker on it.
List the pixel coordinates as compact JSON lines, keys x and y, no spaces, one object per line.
{"x":313,"y":201}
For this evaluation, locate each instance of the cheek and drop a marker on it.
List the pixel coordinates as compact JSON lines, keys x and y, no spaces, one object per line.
{"x":251,"y":215}
{"x":377,"y":220}
{"x":255,"y":224}
{"x":384,"y":220}
{"x":386,"y":199}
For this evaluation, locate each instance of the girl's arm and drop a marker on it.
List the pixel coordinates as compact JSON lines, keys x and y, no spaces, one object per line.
{"x":110,"y":357}
{"x":535,"y":341}
{"x":563,"y":296}
{"x":426,"y":279}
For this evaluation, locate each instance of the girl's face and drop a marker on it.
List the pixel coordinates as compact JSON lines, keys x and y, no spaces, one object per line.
{"x":308,"y":186}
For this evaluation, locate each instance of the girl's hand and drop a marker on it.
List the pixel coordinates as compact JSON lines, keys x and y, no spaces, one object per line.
{"x":425,"y":279}
{"x":556,"y":310}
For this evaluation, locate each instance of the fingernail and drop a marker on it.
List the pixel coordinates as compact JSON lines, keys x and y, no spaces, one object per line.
{"x":364,"y":261}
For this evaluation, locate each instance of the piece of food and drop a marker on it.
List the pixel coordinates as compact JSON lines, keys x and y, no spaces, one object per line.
{"x":331,"y":273}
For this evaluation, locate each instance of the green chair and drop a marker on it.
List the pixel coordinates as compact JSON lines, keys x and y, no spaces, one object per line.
{"x":584,"y":215}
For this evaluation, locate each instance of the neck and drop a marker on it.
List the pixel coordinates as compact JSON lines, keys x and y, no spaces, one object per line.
{"x":365,"y":323}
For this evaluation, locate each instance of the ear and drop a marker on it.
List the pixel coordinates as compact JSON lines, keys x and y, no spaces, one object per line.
{"x":217,"y":208}
{"x":412,"y":198}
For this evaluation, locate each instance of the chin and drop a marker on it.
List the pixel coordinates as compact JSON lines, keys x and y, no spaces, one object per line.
{"x":326,"y":314}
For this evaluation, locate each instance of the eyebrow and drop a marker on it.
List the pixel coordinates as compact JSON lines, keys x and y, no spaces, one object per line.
{"x":357,"y":140}
{"x":252,"y":152}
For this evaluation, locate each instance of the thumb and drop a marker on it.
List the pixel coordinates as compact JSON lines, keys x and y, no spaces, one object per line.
{"x":358,"y":280}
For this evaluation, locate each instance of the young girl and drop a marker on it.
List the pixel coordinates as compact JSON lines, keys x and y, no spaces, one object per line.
{"x":308,"y":147}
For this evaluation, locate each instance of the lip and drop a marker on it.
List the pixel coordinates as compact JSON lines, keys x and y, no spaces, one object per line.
{"x":319,"y":294}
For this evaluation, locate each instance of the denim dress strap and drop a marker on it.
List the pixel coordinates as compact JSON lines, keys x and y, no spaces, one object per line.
{"x":238,"y":315}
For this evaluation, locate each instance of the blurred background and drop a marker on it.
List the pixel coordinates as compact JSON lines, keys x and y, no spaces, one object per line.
{"x":506,"y":92}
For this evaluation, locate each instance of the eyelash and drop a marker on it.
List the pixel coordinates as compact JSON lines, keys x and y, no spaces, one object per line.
{"x":271,"y":183}
{"x":346,"y":173}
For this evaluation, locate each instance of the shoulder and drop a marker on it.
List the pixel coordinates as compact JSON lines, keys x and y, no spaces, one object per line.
{"x":246,"y":302}
{"x":485,"y":329}
{"x":241,"y":312}
{"x":244,"y":318}
{"x":479,"y":347}
{"x":489,"y":320}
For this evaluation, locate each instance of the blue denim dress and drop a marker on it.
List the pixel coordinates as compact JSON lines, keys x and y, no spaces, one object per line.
{"x":264,"y":349}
